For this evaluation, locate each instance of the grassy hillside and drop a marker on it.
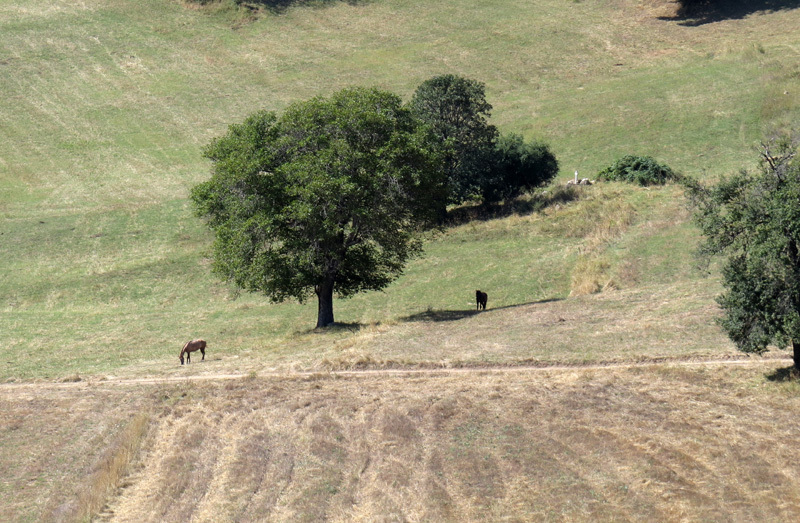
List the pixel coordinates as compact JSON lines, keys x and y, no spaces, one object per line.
{"x":106,"y":105}
{"x":104,"y":108}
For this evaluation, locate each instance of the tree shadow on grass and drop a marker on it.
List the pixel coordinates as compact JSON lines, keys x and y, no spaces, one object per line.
{"x":784,"y":374}
{"x":521,"y":206}
{"x":279,"y":6}
{"x":700,"y":12}
{"x":432,"y":315}
{"x":334,"y":327}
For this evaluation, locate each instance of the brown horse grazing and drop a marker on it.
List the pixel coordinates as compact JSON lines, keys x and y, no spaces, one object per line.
{"x":481,"y":298}
{"x":192,"y":346}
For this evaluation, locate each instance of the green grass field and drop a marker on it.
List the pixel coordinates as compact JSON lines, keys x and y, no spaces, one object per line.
{"x":601,"y":387}
{"x":106,"y":105}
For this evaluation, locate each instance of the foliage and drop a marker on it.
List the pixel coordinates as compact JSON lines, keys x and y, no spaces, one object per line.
{"x":457,"y":111}
{"x":517,"y":167}
{"x":642,"y":170}
{"x":753,"y":220}
{"x":328,"y":197}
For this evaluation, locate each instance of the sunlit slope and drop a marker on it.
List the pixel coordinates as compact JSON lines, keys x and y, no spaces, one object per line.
{"x":106,"y":105}
{"x":108,"y":100}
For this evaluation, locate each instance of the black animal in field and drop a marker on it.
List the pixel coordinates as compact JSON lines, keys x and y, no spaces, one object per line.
{"x":481,"y":297}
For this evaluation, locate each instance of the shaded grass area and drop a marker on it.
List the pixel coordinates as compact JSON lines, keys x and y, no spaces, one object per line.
{"x":279,"y":6}
{"x":648,"y":443}
{"x":699,"y":12}
{"x":787,"y":374}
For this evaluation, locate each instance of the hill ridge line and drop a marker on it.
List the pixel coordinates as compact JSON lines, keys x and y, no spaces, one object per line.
{"x":397,"y":372}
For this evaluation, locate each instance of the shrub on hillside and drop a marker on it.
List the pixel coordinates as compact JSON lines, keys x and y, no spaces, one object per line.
{"x":642,"y":170}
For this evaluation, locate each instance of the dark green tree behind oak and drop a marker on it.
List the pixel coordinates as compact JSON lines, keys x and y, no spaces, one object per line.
{"x":517,"y":167}
{"x":457,"y":111}
{"x":328,"y":198}
{"x":753,"y":221}
{"x":480,"y":164}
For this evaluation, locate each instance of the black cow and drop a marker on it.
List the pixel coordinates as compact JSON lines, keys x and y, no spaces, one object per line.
{"x":481,"y":298}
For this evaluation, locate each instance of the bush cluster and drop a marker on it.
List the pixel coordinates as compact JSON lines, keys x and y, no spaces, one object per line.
{"x":641,"y":170}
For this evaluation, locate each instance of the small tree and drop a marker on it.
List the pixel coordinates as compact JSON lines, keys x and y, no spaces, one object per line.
{"x":753,"y":220}
{"x":517,"y":167}
{"x":329,"y":197}
{"x":457,"y":111}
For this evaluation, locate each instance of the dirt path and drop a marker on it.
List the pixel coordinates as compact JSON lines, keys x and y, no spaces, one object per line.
{"x":395,"y":372}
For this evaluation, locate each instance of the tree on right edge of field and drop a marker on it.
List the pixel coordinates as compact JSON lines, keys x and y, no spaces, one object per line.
{"x":753,"y":221}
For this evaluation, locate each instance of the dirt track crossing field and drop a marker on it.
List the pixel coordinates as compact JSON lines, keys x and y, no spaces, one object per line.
{"x":690,"y":440}
{"x":410,"y":372}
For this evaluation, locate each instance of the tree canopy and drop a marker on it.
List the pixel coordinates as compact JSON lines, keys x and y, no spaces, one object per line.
{"x":457,"y":111}
{"x":753,"y":221}
{"x":479,"y":162}
{"x":328,"y":197}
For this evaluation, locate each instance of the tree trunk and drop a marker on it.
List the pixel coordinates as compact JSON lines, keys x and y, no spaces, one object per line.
{"x":325,"y":304}
{"x":796,"y":355}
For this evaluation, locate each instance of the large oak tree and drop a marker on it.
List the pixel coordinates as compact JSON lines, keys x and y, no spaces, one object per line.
{"x":329,"y":197}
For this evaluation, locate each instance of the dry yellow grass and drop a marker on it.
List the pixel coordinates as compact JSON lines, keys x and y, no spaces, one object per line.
{"x":600,"y":221}
{"x":112,"y":467}
{"x":659,"y":443}
{"x":63,"y":448}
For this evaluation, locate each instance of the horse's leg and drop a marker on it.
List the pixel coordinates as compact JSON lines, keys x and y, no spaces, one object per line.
{"x":203,"y":350}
